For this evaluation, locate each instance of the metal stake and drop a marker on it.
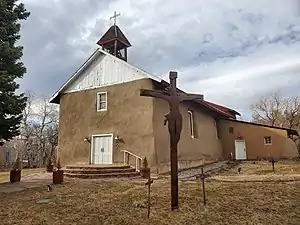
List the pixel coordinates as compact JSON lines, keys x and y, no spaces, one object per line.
{"x":202,"y":177}
{"x":148,"y":183}
{"x":273,"y":161}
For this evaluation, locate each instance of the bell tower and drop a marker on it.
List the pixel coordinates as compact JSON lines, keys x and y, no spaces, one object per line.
{"x":114,"y":41}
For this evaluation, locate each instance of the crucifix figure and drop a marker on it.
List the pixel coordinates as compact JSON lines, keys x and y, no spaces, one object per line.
{"x":115,"y":17}
{"x":174,"y":120}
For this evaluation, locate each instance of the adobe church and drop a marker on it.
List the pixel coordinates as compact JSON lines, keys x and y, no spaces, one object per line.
{"x":103,"y":119}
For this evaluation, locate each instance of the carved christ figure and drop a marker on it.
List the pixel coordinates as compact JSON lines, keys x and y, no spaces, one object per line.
{"x":174,"y":117}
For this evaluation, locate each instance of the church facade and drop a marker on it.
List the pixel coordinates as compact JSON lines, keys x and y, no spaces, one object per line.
{"x":102,"y":113}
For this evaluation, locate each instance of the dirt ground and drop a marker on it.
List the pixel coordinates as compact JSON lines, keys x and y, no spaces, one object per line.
{"x":4,"y":176}
{"x":113,"y":202}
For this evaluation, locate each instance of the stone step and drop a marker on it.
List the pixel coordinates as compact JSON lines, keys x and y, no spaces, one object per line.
{"x":106,"y":175}
{"x":97,"y":167}
{"x":99,"y":171}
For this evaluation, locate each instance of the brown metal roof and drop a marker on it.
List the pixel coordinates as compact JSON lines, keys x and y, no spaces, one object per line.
{"x":114,"y":33}
{"x":221,"y":110}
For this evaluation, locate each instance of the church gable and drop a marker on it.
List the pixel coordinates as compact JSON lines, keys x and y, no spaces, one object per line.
{"x":105,"y":70}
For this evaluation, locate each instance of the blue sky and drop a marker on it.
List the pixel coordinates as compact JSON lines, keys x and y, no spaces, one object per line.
{"x":231,"y":51}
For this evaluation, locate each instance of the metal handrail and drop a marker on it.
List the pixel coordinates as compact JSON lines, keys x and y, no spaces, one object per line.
{"x":138,"y":159}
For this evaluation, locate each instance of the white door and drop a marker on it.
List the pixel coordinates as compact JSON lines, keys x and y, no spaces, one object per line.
{"x":102,"y":149}
{"x":240,"y":149}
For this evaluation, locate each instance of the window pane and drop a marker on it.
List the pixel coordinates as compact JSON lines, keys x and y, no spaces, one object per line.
{"x":268,"y":140}
{"x":102,"y":105}
{"x":102,"y":97}
{"x":191,"y":120}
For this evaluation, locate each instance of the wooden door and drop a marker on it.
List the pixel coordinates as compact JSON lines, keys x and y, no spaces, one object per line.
{"x":240,"y":150}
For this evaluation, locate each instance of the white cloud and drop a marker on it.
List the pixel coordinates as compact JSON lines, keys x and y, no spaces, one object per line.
{"x":239,"y":81}
{"x":233,"y":51}
{"x":260,"y":31}
{"x":247,"y":71}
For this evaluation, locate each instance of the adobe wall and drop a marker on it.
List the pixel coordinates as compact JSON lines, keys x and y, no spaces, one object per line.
{"x":254,"y":135}
{"x":205,"y":147}
{"x":128,"y":115}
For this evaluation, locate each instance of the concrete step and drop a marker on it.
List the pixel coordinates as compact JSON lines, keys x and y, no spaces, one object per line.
{"x":99,"y":171}
{"x":105,"y":175}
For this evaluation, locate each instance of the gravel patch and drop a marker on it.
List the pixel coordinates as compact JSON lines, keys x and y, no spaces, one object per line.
{"x":210,"y":168}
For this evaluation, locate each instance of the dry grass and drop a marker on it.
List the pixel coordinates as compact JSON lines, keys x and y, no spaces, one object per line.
{"x":265,"y":168}
{"x":111,"y":202}
{"x":259,"y":178}
{"x":4,"y":176}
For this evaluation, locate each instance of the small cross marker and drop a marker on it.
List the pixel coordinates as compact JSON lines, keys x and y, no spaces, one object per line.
{"x":203,"y":176}
{"x":148,"y":183}
{"x":115,"y":17}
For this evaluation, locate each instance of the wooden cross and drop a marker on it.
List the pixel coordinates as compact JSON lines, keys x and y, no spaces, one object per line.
{"x":148,"y":183}
{"x":273,"y":161}
{"x":115,"y":17}
{"x":203,"y":176}
{"x":174,"y":119}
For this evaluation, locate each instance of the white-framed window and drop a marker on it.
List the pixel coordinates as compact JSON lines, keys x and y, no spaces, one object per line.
{"x":191,"y":122}
{"x":216,"y":129}
{"x":268,"y":140}
{"x":101,"y":101}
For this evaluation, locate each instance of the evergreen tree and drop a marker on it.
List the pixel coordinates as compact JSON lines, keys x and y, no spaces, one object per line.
{"x":11,"y":68}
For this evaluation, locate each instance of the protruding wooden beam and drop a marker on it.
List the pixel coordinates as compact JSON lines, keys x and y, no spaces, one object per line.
{"x":190,"y":97}
{"x":154,"y":93}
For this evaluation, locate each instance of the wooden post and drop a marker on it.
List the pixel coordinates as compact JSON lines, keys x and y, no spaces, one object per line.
{"x":148,"y":183}
{"x":115,"y":47}
{"x":203,"y":186}
{"x":273,"y":161}
{"x":174,"y":119}
{"x":203,"y":176}
{"x":125,"y":54}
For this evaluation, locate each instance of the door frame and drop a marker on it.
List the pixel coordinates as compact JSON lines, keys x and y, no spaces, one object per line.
{"x":92,"y":145}
{"x":240,"y":140}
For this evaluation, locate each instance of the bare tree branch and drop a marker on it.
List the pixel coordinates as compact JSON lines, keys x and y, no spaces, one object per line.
{"x":274,"y":109}
{"x":269,"y":110}
{"x":39,"y":130}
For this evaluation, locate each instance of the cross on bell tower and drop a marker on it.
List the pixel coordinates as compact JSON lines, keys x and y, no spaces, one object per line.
{"x":114,"y":41}
{"x":115,"y":17}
